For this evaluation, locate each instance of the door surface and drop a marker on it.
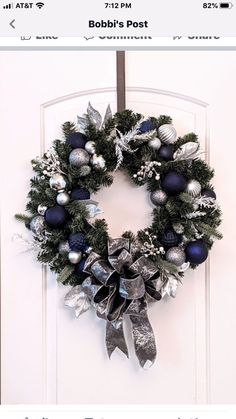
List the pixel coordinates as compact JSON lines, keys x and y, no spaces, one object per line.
{"x":47,"y":355}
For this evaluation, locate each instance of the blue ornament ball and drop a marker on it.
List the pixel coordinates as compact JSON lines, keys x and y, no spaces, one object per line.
{"x":76,"y":140}
{"x":173,"y":183}
{"x":56,"y":216}
{"x":208,"y":193}
{"x":77,"y":242}
{"x":166,"y":152}
{"x":196,"y":252}
{"x":80,"y":194}
{"x":146,"y":126}
{"x":170,"y":238}
{"x":79,"y":268}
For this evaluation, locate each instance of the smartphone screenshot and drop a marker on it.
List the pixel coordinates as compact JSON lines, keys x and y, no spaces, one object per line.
{"x":117,"y":159}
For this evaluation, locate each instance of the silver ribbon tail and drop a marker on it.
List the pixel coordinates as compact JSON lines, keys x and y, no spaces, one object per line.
{"x":115,"y":338}
{"x":144,"y":340}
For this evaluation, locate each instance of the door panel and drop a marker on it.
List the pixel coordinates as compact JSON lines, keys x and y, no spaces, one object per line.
{"x":48,"y":355}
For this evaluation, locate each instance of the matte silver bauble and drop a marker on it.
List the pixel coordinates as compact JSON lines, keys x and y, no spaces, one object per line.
{"x":155,"y":143}
{"x":193,"y":188}
{"x":158,"y":197}
{"x":63,"y":198}
{"x":64,"y":248}
{"x":98,"y":162}
{"x":176,"y":256}
{"x":58,"y":182}
{"x":167,"y":134}
{"x":37,"y":225}
{"x":42,"y":209}
{"x":90,"y":147}
{"x":85,"y":170}
{"x":74,"y":257}
{"x":79,"y":157}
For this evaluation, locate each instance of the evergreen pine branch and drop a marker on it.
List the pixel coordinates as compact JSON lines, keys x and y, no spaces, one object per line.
{"x":208,"y":230}
{"x":65,"y":273}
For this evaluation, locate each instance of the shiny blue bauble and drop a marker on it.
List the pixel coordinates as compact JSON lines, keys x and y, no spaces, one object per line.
{"x":170,"y":239}
{"x":208,"y":193}
{"x":76,"y":140}
{"x":173,"y":183}
{"x":196,"y":252}
{"x":80,"y":194}
{"x":77,"y":242}
{"x":146,"y":126}
{"x":166,"y":152}
{"x":56,"y":216}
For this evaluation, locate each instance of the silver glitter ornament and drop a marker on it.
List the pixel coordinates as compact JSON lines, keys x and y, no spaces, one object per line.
{"x":90,"y":147}
{"x":193,"y":188}
{"x":85,"y":170}
{"x":64,"y":248}
{"x":63,"y":198}
{"x":167,"y":134}
{"x":74,"y":257}
{"x":155,"y":143}
{"x":98,"y":162}
{"x":158,"y":197}
{"x":58,"y":182}
{"x":79,"y":157}
{"x":37,"y":225}
{"x":42,"y":209}
{"x":176,"y":256}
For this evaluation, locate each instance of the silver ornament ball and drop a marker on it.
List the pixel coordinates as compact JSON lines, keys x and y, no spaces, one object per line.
{"x":63,"y":198}
{"x":193,"y":188}
{"x":158,"y":197}
{"x":176,"y":256}
{"x":155,"y":143}
{"x":37,"y":225}
{"x":167,"y":134}
{"x":74,"y":257}
{"x":64,"y":248}
{"x":58,"y":182}
{"x":98,"y":162}
{"x":42,"y":209}
{"x":79,"y":157}
{"x":90,"y":147}
{"x":85,"y":170}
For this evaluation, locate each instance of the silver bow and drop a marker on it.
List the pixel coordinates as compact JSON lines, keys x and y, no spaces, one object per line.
{"x":120,"y":285}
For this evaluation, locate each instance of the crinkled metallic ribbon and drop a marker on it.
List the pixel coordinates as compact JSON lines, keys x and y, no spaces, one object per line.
{"x":119,"y":286}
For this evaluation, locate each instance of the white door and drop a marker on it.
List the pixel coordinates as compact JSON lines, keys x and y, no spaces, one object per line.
{"x":47,"y":355}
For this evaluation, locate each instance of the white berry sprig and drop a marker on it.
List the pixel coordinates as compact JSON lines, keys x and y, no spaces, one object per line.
{"x":149,"y":169}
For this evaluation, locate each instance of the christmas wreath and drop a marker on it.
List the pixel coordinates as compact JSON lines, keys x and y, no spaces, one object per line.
{"x":121,"y":276}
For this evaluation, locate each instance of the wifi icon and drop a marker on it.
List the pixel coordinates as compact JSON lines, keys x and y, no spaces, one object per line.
{"x":40,"y":5}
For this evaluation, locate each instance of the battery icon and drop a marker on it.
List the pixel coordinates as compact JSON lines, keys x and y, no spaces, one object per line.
{"x":226,"y":5}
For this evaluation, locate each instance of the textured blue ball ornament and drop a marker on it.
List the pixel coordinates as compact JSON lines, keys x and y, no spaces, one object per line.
{"x":56,"y":216}
{"x":166,"y":152}
{"x":80,"y":194}
{"x":146,"y":126}
{"x":77,"y":242}
{"x":196,"y":252}
{"x":76,"y":140}
{"x":170,"y":239}
{"x":79,"y":268}
{"x":173,"y":183}
{"x":208,"y":193}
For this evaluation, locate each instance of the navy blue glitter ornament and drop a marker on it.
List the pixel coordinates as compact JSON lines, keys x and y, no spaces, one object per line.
{"x":76,"y":140}
{"x":166,"y":152}
{"x":170,"y":238}
{"x":56,"y":216}
{"x":196,"y":252}
{"x":77,"y":242}
{"x":79,"y":268}
{"x":173,"y":183}
{"x":80,"y":194}
{"x":208,"y":193}
{"x":146,"y":126}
